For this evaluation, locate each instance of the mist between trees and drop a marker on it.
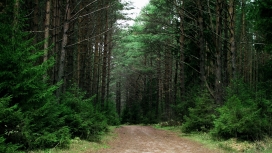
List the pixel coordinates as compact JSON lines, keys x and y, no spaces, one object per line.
{"x":69,"y":70}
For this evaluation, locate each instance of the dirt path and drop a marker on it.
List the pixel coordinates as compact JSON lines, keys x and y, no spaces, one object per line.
{"x":146,"y":139}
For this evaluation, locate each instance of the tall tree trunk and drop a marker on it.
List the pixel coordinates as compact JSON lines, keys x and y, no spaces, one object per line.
{"x":35,"y":20}
{"x":55,"y":38}
{"x":181,"y":51}
{"x":46,"y":30}
{"x":16,"y":8}
{"x":109,"y":63}
{"x":176,"y":82}
{"x":232,"y":36}
{"x":159,"y":83}
{"x":63,"y":47}
{"x":105,"y":56}
{"x":218,"y":69}
{"x":118,"y":96}
{"x":226,"y":68}
{"x":81,"y":33}
{"x":96,"y":58}
{"x":201,"y":42}
{"x":167,"y":82}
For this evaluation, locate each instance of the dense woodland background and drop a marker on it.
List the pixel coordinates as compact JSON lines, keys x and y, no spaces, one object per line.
{"x":68,"y":69}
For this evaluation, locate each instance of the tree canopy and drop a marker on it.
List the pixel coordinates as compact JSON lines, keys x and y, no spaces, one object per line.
{"x":68,"y":69}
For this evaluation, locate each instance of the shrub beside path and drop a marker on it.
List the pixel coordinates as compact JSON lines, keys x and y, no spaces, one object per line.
{"x":146,"y":139}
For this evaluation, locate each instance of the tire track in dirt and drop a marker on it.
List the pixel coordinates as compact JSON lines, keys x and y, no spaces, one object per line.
{"x":146,"y":139}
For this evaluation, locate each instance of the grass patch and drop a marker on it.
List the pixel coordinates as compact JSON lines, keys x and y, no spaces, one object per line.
{"x":231,"y":145}
{"x":79,"y":146}
{"x":176,"y":129}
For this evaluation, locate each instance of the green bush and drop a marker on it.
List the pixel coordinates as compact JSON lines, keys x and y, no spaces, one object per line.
{"x":8,"y":147}
{"x":265,"y":107}
{"x":111,"y":113}
{"x":238,"y":119}
{"x":7,"y":129}
{"x":244,"y":115}
{"x":80,"y":116}
{"x":45,"y":127}
{"x":201,"y":116}
{"x":181,"y":109}
{"x":31,"y":118}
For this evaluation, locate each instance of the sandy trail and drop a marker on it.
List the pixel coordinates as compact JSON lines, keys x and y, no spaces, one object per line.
{"x":146,"y":139}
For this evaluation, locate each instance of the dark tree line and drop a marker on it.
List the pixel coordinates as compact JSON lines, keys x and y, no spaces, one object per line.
{"x":55,"y":71}
{"x":192,"y":60}
{"x":80,"y":33}
{"x":203,"y":63}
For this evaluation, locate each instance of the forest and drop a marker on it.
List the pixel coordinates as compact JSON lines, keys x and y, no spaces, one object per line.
{"x":70,"y":69}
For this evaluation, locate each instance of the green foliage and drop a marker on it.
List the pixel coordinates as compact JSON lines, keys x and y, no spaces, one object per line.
{"x":8,"y":113}
{"x":132,"y":114}
{"x":125,"y":117}
{"x":182,"y":106}
{"x":261,"y":12}
{"x":81,"y":117}
{"x":32,"y":117}
{"x":265,"y":107}
{"x":265,"y":76}
{"x":7,"y":148}
{"x":111,"y":113}
{"x":45,"y":127}
{"x":201,"y":116}
{"x":238,"y":119}
{"x":245,"y":115}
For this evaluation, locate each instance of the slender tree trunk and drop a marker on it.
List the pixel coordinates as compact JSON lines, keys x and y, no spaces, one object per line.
{"x":81,"y":33}
{"x":109,"y":64}
{"x":16,"y":8}
{"x":176,"y":82}
{"x":96,"y":59}
{"x":35,"y":19}
{"x":218,"y":70}
{"x":105,"y":56}
{"x":167,"y":81}
{"x":63,"y":46}
{"x":181,"y":52}
{"x":55,"y":37}
{"x":226,"y":68}
{"x":46,"y":30}
{"x":118,"y":97}
{"x":159,"y":84}
{"x":232,"y":36}
{"x":201,"y":42}
{"x":70,"y":54}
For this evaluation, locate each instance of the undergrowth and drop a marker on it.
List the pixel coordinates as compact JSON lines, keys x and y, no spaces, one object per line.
{"x":225,"y":145}
{"x":79,"y":145}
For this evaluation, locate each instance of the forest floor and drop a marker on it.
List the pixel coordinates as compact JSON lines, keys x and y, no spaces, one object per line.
{"x":146,"y":139}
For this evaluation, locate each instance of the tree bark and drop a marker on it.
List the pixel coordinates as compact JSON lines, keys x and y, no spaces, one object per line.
{"x":16,"y":8}
{"x":63,"y":46}
{"x":35,"y":19}
{"x":201,"y":42}
{"x":218,"y":69}
{"x":232,"y":36}
{"x":55,"y":38}
{"x":118,"y":97}
{"x":105,"y":56}
{"x":46,"y":29}
{"x":181,"y":51}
